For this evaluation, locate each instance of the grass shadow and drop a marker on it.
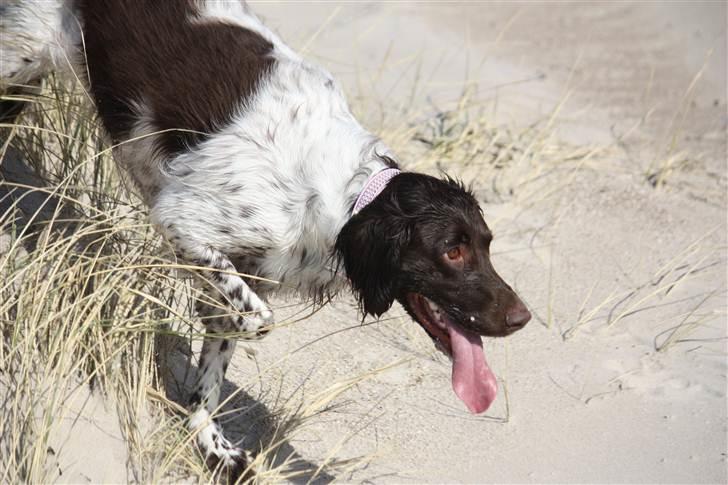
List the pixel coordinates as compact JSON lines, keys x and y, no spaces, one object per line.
{"x":246,"y":421}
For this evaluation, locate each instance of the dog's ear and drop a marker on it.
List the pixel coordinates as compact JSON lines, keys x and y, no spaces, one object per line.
{"x":370,"y":246}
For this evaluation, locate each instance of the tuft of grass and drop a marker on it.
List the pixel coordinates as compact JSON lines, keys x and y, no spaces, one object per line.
{"x":503,"y":161}
{"x":670,"y":158}
{"x":697,"y":260}
{"x":84,"y":291}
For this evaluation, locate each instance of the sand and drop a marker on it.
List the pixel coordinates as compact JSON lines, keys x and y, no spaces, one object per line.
{"x":621,"y":375}
{"x":602,"y":405}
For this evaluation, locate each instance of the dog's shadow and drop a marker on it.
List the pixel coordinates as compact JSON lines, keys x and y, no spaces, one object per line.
{"x":245,"y":420}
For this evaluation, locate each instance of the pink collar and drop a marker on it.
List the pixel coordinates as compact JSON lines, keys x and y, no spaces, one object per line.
{"x":373,"y":188}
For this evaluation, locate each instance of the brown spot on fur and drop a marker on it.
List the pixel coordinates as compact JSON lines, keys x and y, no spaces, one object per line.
{"x":190,"y":75}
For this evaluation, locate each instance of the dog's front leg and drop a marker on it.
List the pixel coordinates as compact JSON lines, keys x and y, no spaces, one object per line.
{"x":217,"y":350}
{"x":254,"y":315}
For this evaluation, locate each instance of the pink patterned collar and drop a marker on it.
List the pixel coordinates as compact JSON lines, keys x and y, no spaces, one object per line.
{"x":373,"y":188}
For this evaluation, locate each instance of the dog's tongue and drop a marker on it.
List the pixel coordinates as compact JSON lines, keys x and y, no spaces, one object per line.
{"x":472,"y":379}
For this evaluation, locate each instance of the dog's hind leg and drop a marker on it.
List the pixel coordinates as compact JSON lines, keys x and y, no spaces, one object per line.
{"x":38,"y":36}
{"x":217,"y":350}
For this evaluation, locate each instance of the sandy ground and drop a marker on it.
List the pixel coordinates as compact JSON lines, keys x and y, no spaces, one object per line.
{"x":585,"y":396}
{"x":603,"y":405}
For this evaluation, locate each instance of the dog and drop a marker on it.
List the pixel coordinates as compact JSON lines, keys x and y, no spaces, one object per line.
{"x":251,"y":162}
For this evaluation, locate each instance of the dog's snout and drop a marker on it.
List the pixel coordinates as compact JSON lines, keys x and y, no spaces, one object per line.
{"x":517,"y":316}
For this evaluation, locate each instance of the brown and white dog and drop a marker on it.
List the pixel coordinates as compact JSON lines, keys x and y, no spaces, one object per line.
{"x":250,"y":161}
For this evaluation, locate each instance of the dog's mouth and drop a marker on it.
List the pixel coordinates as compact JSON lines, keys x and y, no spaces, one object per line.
{"x":472,"y":380}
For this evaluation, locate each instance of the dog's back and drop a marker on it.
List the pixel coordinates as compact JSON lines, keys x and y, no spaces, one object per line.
{"x":178,"y":68}
{"x":182,"y":69}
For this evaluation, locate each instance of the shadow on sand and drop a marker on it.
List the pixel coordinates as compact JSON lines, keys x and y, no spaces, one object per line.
{"x":246,"y":422}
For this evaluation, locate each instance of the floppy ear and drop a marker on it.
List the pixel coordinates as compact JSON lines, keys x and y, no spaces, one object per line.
{"x":369,"y":246}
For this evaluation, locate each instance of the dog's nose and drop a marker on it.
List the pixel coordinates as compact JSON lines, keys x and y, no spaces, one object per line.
{"x":518,"y":316}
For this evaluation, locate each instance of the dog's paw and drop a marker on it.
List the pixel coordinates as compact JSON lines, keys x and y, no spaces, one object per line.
{"x":256,"y":324}
{"x":227,"y":461}
{"x":231,"y":465}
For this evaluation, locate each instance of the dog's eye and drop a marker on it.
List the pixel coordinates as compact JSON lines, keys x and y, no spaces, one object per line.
{"x":454,"y":254}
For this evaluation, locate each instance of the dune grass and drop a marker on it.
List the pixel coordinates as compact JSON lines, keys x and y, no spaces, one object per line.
{"x":86,"y":290}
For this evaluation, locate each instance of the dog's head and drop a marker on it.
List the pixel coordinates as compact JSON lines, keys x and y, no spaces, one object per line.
{"x":423,"y":242}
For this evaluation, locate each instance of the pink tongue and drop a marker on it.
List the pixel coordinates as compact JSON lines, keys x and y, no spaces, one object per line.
{"x":472,"y":379}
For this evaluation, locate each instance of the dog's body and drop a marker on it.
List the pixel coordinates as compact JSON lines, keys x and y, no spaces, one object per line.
{"x":250,"y":161}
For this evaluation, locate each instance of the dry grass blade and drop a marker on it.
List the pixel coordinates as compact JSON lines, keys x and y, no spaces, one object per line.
{"x":685,"y":327}
{"x":662,"y":167}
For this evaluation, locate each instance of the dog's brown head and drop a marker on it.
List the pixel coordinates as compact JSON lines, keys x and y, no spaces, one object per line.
{"x":423,"y":242}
